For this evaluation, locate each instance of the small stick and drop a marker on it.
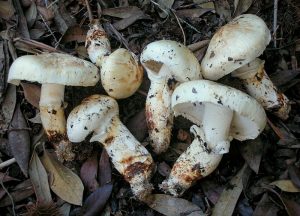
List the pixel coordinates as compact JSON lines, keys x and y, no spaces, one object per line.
{"x":7,"y":163}
{"x":275,"y":22}
{"x":88,"y":7}
{"x":198,"y":45}
{"x":141,"y":92}
{"x":184,"y":38}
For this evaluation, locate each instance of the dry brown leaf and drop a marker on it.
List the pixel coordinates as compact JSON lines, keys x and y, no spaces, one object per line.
{"x":63,"y":19}
{"x":39,"y":179}
{"x":172,"y":206}
{"x":286,"y":186}
{"x":223,"y":9}
{"x":121,"y":12}
{"x":164,"y":6}
{"x":6,"y":9}
{"x":230,"y":195}
{"x":74,"y":33}
{"x":46,"y":13}
{"x":137,"y":125}
{"x":241,"y":6}
{"x":31,"y":14}
{"x":265,"y":207}
{"x":7,"y":178}
{"x":36,"y":34}
{"x":104,"y":175}
{"x":8,"y":107}
{"x":192,"y":13}
{"x":19,"y":140}
{"x":294,"y":173}
{"x":124,"y":23}
{"x":88,"y":173}
{"x":32,"y":93}
{"x":63,"y":182}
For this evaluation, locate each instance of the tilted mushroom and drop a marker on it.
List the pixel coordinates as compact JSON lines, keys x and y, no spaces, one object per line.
{"x":121,"y":74}
{"x":167,"y":63}
{"x":99,"y":114}
{"x":54,"y":71}
{"x":220,"y":113}
{"x":235,"y":47}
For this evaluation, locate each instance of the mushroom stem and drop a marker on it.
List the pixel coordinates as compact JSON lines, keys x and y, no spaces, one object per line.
{"x":259,"y":86}
{"x":195,"y":163}
{"x":216,"y":125}
{"x":53,"y":119}
{"x":159,"y":116}
{"x":129,"y":157}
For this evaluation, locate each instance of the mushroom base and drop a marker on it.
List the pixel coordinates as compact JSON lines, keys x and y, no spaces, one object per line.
{"x":53,"y":119}
{"x":258,"y":85}
{"x":195,"y":163}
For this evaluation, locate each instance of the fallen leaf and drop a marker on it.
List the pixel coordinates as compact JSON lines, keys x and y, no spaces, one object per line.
{"x":6,"y":178}
{"x":286,"y":186}
{"x":291,"y":207}
{"x":230,"y":195}
{"x":65,"y":209}
{"x":8,"y":107}
{"x":212,"y":189}
{"x":36,"y":119}
{"x":32,"y":93}
{"x":265,"y":207}
{"x":294,"y":174}
{"x":164,"y":6}
{"x":223,"y":9}
{"x":39,"y":179}
{"x":19,"y":140}
{"x":192,"y":13}
{"x":95,"y":202}
{"x":20,"y":192}
{"x":137,"y":125}
{"x":2,"y":193}
{"x":88,"y":173}
{"x":252,"y":151}
{"x":124,"y":23}
{"x":63,"y":182}
{"x":46,"y":13}
{"x":36,"y":34}
{"x":75,"y":33}
{"x":6,"y":9}
{"x":104,"y":176}
{"x":63,"y":19}
{"x":31,"y":14}
{"x":121,"y":12}
{"x":172,"y":206}
{"x":164,"y":169}
{"x":241,"y":6}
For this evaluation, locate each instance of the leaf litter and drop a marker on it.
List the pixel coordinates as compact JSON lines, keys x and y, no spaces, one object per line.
{"x":60,"y":26}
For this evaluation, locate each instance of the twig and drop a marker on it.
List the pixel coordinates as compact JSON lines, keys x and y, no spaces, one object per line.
{"x":275,"y":22}
{"x":88,"y":7}
{"x":141,"y":92}
{"x":49,"y":29}
{"x":184,"y":38}
{"x":8,"y":194}
{"x":36,"y":44}
{"x":198,"y":45}
{"x":7,"y":163}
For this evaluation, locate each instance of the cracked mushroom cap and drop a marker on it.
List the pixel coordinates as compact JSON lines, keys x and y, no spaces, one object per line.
{"x":121,"y":74}
{"x":55,"y":68}
{"x":234,"y":45}
{"x":249,"y":117}
{"x":94,"y":113}
{"x":182,"y":63}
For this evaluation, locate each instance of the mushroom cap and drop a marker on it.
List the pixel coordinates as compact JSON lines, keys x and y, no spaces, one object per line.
{"x":249,"y":117}
{"x":92,"y":114}
{"x":182,"y":63}
{"x":121,"y":74}
{"x":53,"y":68}
{"x":234,"y":45}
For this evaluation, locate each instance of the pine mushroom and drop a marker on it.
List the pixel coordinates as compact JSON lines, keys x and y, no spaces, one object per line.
{"x":167,"y":63}
{"x":121,"y":74}
{"x":99,"y":114}
{"x":235,"y":47}
{"x":54,"y":71}
{"x":220,"y":113}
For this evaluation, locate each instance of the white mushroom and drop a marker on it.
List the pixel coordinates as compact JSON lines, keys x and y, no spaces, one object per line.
{"x":54,"y":71}
{"x":220,"y":113}
{"x":121,"y":74}
{"x":237,"y":44}
{"x":99,"y":114}
{"x":166,"y":62}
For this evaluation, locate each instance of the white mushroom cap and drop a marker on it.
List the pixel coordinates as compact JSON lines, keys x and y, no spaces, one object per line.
{"x":121,"y":74}
{"x":56,"y":68}
{"x":93,"y":113}
{"x":249,"y":118}
{"x":234,"y":45}
{"x":181,"y":62}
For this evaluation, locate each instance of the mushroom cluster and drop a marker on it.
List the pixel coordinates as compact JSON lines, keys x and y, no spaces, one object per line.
{"x":121,"y":74}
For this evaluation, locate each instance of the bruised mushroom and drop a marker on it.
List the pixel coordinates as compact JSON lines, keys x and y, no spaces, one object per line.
{"x":167,"y":63}
{"x":121,"y":74}
{"x":54,"y":71}
{"x":99,"y":114}
{"x":235,"y":47}
{"x":220,"y":113}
